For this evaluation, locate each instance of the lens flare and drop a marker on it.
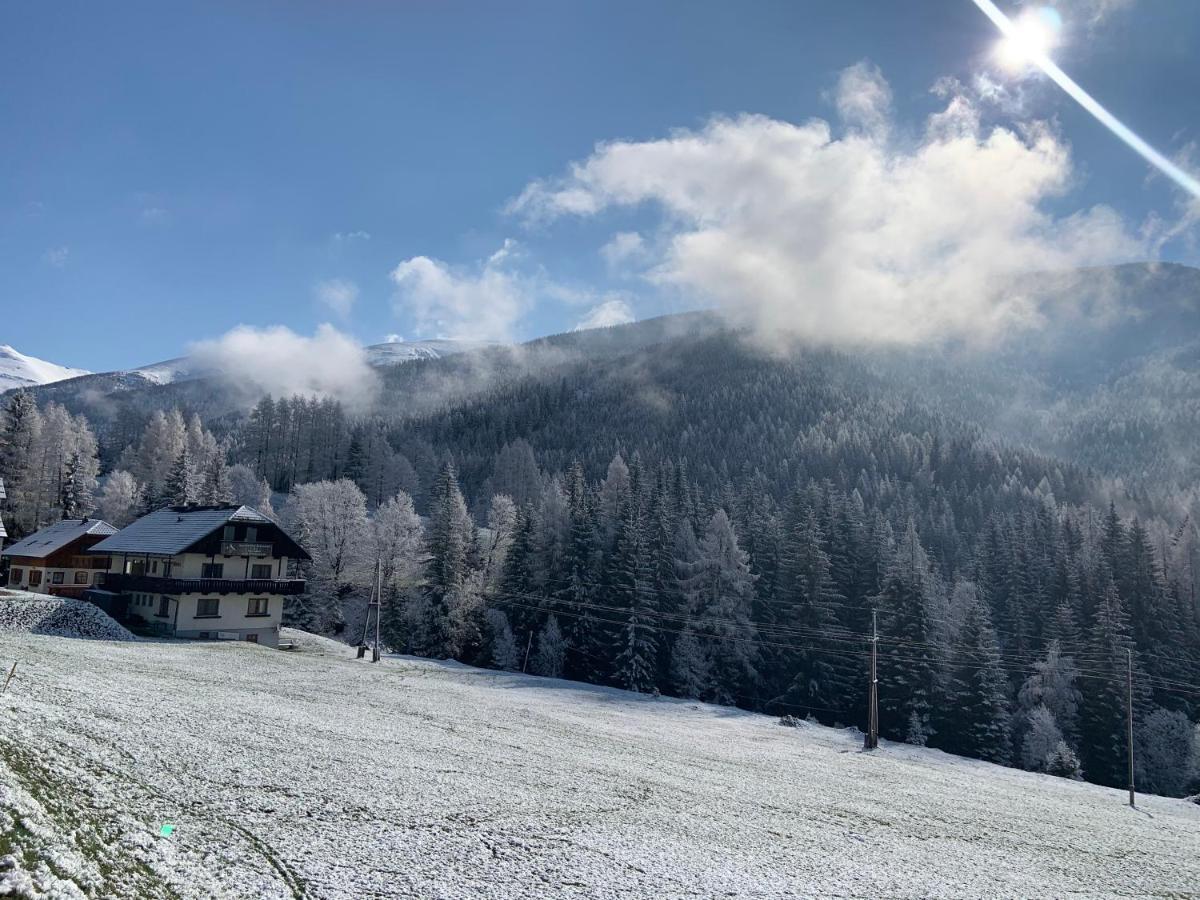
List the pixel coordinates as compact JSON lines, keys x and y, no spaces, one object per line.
{"x":1039,"y":56}
{"x":1035,"y":31}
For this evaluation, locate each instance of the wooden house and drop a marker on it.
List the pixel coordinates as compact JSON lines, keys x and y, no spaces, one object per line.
{"x":56,"y":560}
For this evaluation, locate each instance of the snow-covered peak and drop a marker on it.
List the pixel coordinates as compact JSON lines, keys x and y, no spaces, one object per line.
{"x":394,"y":353}
{"x":182,"y":368}
{"x":18,"y":370}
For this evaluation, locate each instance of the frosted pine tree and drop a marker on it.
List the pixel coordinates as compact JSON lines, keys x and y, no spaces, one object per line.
{"x":180,"y":488}
{"x":215,"y":489}
{"x":551,"y":650}
{"x":1052,"y":685}
{"x":691,"y":668}
{"x":720,"y":597}
{"x":907,"y":663}
{"x":808,"y":597}
{"x":505,"y":654}
{"x":450,"y":542}
{"x":631,"y":586}
{"x":978,"y":692}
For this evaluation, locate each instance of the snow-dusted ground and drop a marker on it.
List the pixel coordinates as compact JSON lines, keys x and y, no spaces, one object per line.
{"x":310,"y":773}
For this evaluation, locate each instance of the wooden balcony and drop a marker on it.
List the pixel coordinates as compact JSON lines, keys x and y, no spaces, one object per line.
{"x":153,"y":584}
{"x":242,"y":548}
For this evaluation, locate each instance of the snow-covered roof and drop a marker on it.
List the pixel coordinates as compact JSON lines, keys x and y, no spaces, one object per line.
{"x":55,"y":537}
{"x":169,"y":531}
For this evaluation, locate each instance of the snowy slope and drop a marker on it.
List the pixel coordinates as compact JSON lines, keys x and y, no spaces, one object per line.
{"x":19,"y":370}
{"x":312,"y":774}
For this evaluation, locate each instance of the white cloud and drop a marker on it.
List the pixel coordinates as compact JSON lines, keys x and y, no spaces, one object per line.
{"x":56,"y":256}
{"x":337,"y":294}
{"x":850,"y":237}
{"x":349,"y":237}
{"x":607,"y":314}
{"x":483,"y":302}
{"x":278,"y":361}
{"x":394,"y":339}
{"x":622,"y":248}
{"x":864,"y":99}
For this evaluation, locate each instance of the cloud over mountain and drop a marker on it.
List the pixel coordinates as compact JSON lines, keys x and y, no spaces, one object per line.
{"x":852,"y":233}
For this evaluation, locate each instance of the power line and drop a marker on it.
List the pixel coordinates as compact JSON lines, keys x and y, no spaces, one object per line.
{"x":553,"y":606}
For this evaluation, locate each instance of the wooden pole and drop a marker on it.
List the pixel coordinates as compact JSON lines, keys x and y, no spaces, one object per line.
{"x":872,"y":740}
{"x":11,"y":673}
{"x":528,"y":647}
{"x":1129,"y":722}
{"x":378,"y":613}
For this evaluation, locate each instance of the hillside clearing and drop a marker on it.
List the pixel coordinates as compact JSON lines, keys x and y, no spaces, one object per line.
{"x":311,"y":774}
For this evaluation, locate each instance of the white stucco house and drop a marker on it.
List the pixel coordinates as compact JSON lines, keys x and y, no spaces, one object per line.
{"x":208,"y":572}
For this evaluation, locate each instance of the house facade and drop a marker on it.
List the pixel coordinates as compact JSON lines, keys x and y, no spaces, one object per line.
{"x":57,"y":560}
{"x":215,"y":573}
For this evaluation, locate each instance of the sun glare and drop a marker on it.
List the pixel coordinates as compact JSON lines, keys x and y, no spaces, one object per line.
{"x":1035,"y":33}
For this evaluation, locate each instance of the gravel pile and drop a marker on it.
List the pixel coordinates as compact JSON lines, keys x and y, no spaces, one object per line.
{"x":42,"y":614}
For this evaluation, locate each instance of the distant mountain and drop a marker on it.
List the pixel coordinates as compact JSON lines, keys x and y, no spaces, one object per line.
{"x":18,"y":370}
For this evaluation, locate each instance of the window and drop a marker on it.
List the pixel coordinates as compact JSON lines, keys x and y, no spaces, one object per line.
{"x":251,"y":534}
{"x":35,"y":577}
{"x":208,"y":608}
{"x":99,"y":579}
{"x":260,"y":570}
{"x":228,"y":533}
{"x":154,"y":567}
{"x":16,"y":575}
{"x":57,"y":577}
{"x":212,"y":570}
{"x":164,"y":607}
{"x":137,"y":567}
{"x":259,"y":606}
{"x":81,"y":577}
{"x":252,"y":638}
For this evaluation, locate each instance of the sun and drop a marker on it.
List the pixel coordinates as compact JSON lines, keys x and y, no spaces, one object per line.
{"x":1035,"y":34}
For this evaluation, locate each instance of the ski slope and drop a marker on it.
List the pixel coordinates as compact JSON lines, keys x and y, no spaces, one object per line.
{"x":312,"y":774}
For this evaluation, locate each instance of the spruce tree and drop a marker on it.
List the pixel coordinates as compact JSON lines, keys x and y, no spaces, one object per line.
{"x":180,"y":486}
{"x":450,"y":540}
{"x":635,"y":627}
{"x":978,"y":693}
{"x":807,"y":594}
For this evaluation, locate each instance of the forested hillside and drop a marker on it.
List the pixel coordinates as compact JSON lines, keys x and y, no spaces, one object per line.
{"x":667,"y":507}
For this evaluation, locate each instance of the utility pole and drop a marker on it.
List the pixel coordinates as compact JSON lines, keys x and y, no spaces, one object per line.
{"x":872,"y":739}
{"x":378,"y":612}
{"x":372,"y":604}
{"x":528,"y":647}
{"x":1129,"y":722}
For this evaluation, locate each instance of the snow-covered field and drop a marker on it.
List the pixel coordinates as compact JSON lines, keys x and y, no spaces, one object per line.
{"x":312,"y":774}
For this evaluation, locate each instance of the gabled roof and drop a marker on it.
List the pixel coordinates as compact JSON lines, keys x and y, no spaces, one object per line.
{"x":55,"y":537}
{"x":166,"y":532}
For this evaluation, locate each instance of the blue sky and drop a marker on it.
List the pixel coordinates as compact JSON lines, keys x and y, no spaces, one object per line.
{"x":170,"y":171}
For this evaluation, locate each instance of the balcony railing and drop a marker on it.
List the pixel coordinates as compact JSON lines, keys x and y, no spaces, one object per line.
{"x":155,"y":585}
{"x":242,"y":548}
